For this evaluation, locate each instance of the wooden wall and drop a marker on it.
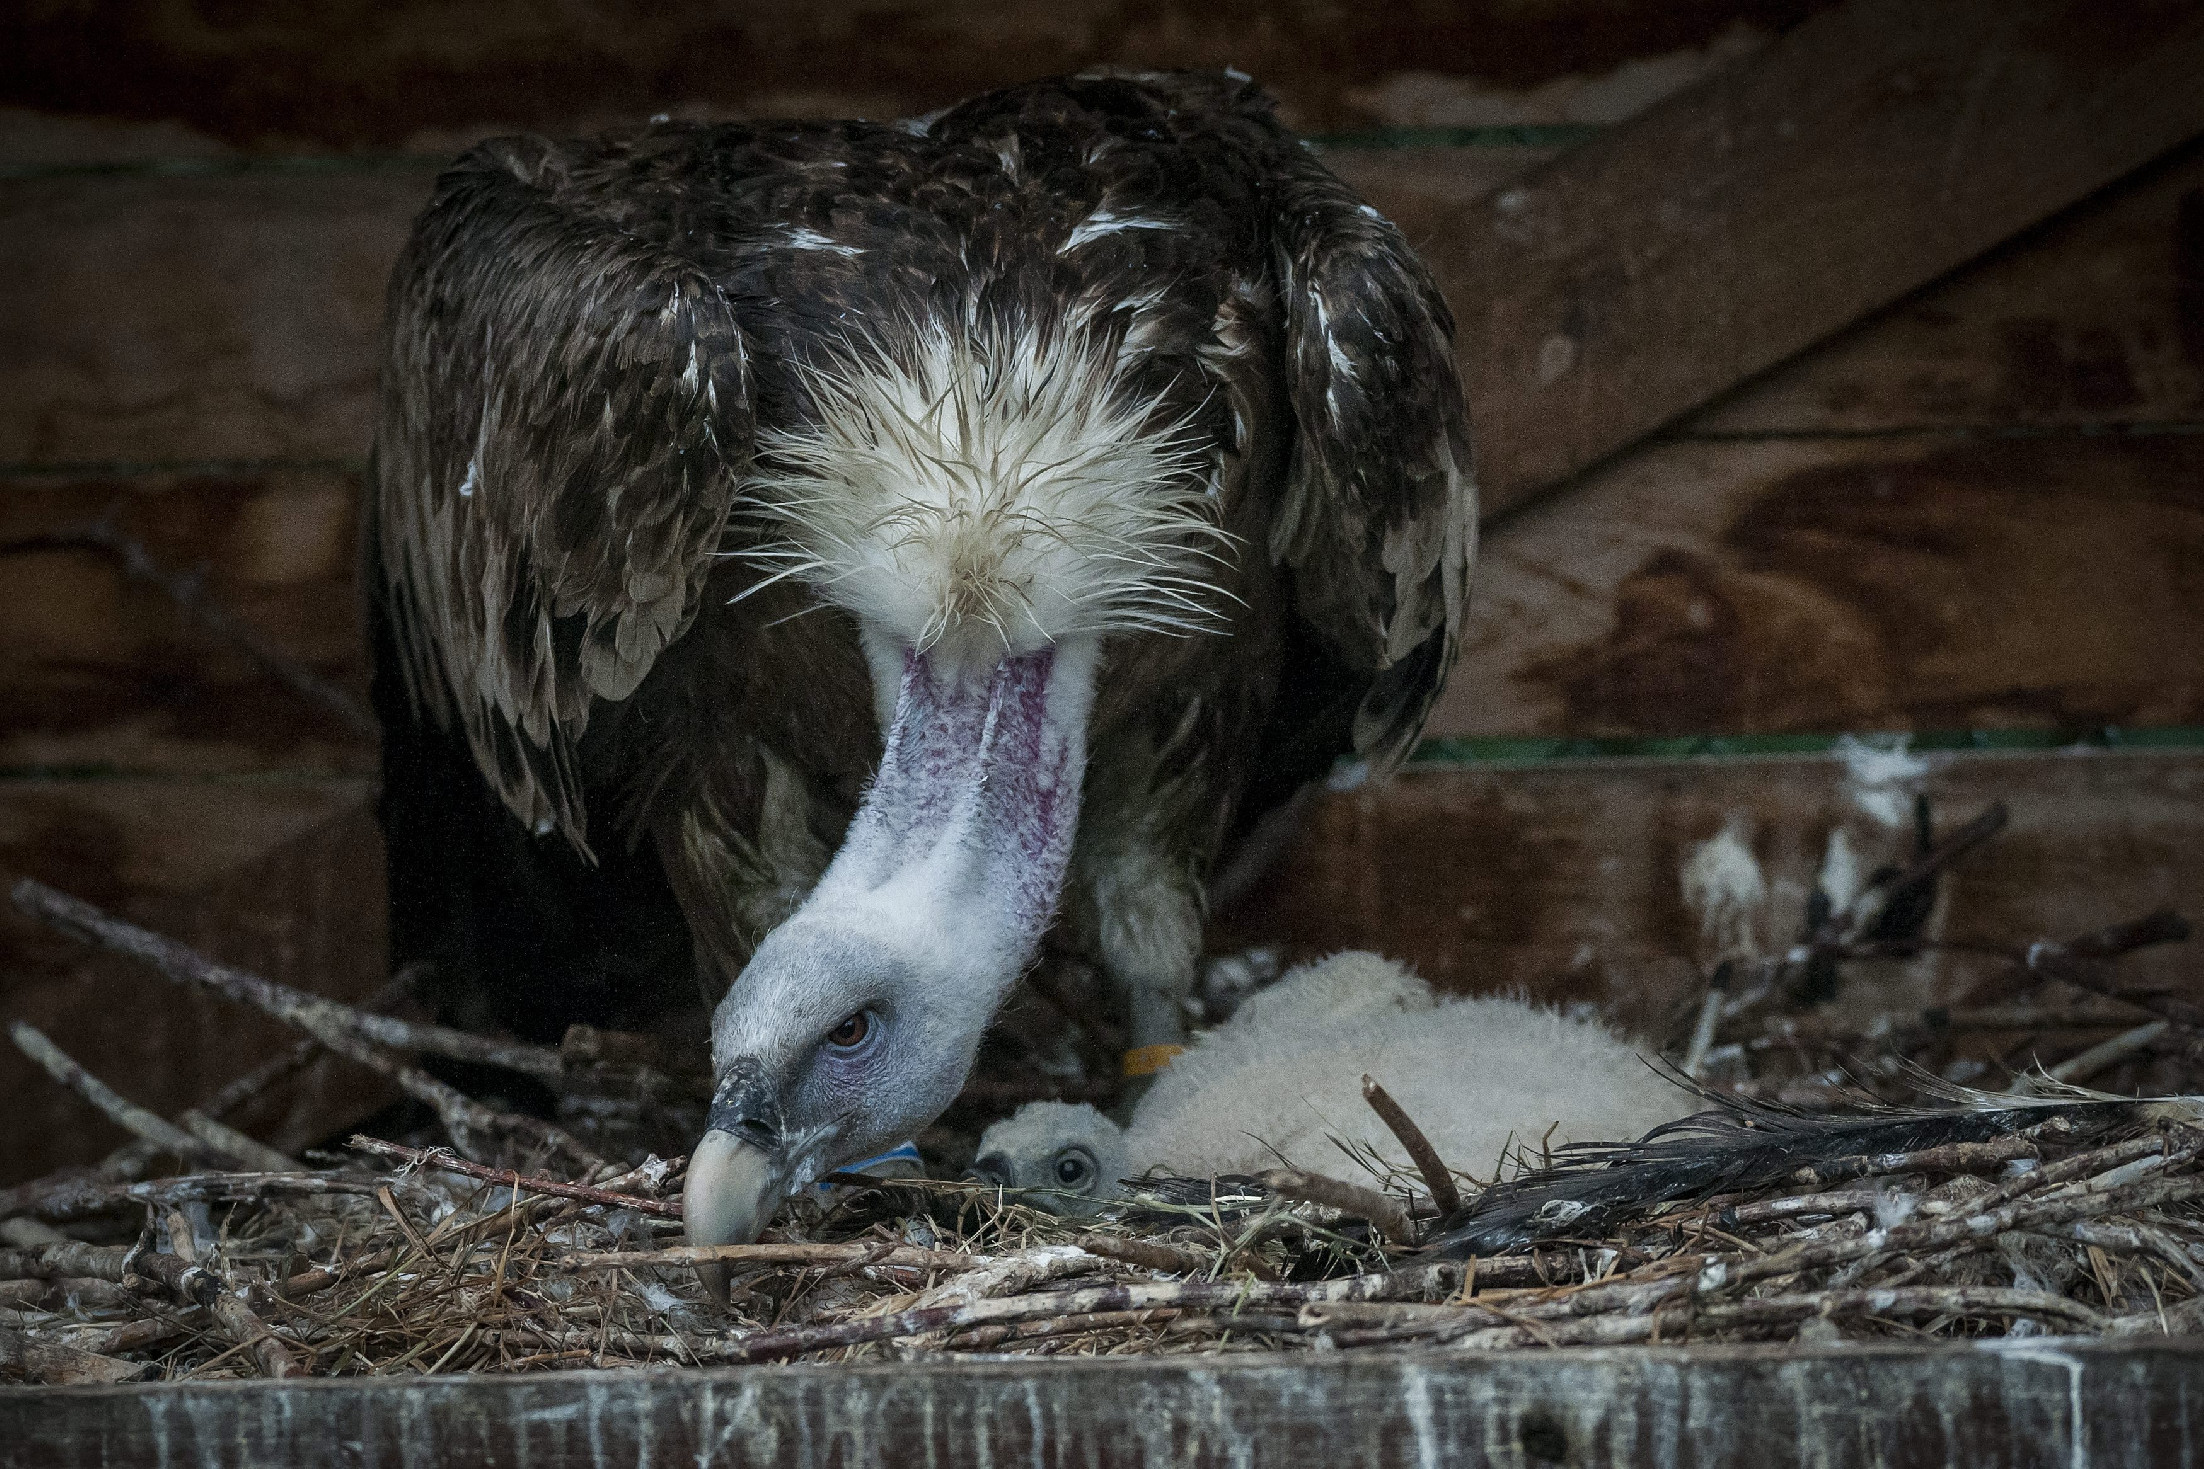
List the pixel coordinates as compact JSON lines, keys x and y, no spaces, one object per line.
{"x":1983,"y":508}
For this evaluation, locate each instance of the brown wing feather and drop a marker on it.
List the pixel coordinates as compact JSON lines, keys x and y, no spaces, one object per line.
{"x":566,"y":413}
{"x":1379,"y":515}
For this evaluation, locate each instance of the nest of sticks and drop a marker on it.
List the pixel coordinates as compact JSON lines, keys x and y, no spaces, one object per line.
{"x":1842,"y":1184}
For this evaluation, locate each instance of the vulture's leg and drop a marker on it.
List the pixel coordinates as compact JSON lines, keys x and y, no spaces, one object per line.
{"x":1135,"y":897}
{"x":1150,"y":942}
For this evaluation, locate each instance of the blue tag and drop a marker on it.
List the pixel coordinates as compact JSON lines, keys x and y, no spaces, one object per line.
{"x":900,"y":1153}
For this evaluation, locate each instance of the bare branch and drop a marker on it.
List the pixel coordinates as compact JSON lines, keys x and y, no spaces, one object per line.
{"x":128,"y":1115}
{"x":341,"y":1028}
{"x":529,"y":1183}
{"x":319,"y":1017}
{"x":1437,"y":1181}
{"x":1385,"y":1214}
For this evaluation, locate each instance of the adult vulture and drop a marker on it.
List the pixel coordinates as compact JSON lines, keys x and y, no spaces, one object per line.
{"x":817,"y":557}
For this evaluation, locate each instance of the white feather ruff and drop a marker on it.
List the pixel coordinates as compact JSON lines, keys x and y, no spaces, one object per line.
{"x":990,"y":491}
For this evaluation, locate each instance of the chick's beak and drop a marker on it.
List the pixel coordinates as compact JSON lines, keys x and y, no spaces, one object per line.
{"x":734,"y":1185}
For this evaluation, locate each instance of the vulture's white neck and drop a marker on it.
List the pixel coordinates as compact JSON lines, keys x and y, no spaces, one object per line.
{"x":989,"y":502}
{"x":958,"y":850}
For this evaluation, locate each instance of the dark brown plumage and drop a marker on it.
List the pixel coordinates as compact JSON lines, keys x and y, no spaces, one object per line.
{"x":600,"y":750}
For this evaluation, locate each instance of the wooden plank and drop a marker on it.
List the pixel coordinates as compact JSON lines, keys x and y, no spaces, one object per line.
{"x":282,"y":877}
{"x":1711,"y":587}
{"x":1931,"y":582}
{"x":98,"y":668}
{"x":2101,"y":1404}
{"x":1872,"y":149}
{"x":180,"y":319}
{"x":229,"y":318}
{"x":2096,"y":318}
{"x":271,"y":76}
{"x":1564,"y":879}
{"x":158,"y":319}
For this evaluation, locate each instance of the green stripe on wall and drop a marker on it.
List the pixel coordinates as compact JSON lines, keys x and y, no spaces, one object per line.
{"x":1474,"y":750}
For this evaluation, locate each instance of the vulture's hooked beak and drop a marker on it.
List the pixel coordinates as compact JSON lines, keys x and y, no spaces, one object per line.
{"x":738,"y":1175}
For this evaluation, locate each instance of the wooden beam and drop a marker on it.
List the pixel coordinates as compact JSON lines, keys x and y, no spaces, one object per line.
{"x":275,"y":77}
{"x":1871,"y":150}
{"x":2103,"y":1404}
{"x":1917,"y":581}
{"x":1705,"y":587}
{"x":2094,"y":319}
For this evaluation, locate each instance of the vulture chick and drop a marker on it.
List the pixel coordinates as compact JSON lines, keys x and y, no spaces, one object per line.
{"x":1274,"y":1085}
{"x":812,"y":559}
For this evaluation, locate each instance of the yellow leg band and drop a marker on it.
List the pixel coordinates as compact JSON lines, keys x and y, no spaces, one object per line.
{"x":1148,"y":1060}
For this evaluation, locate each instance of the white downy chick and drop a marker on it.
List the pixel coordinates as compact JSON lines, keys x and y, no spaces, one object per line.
{"x":1283,"y":1078}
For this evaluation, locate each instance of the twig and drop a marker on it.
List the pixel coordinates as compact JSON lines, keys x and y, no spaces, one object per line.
{"x":1149,"y":1254}
{"x":1983,"y":1157}
{"x":2082,"y":963}
{"x":128,"y":1115}
{"x":441,"y":1158}
{"x":1007,"y":1275}
{"x":1941,"y":1233}
{"x":2108,"y":1053}
{"x":2160,"y":926}
{"x":1139,"y":1296}
{"x":341,"y":1028}
{"x":83,"y":1198}
{"x":1710,"y":1019}
{"x":232,"y":1144}
{"x":984,"y":1337}
{"x":1437,"y":1181}
{"x":1386,"y":1215}
{"x":806,"y":1256}
{"x":67,"y":1292}
{"x":253,"y":1084}
{"x":53,"y":1262}
{"x":1921,"y":871}
{"x":52,"y":1364}
{"x":225,"y":1301}
{"x":323,"y":1019}
{"x":1785,"y":1311}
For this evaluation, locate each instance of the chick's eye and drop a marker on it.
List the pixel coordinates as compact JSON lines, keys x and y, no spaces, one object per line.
{"x":1072,"y":1169}
{"x":851,"y":1033}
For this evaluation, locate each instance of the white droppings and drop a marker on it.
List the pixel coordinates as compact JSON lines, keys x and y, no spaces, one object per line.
{"x":1881,"y":775}
{"x":2127,"y":1173}
{"x":1723,"y":885}
{"x":1841,"y":876}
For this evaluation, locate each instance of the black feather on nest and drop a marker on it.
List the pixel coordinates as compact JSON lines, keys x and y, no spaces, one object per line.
{"x":1738,"y":1145}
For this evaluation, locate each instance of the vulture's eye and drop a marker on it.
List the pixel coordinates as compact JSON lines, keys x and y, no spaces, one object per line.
{"x":851,"y":1033}
{"x":1074,"y":1168}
